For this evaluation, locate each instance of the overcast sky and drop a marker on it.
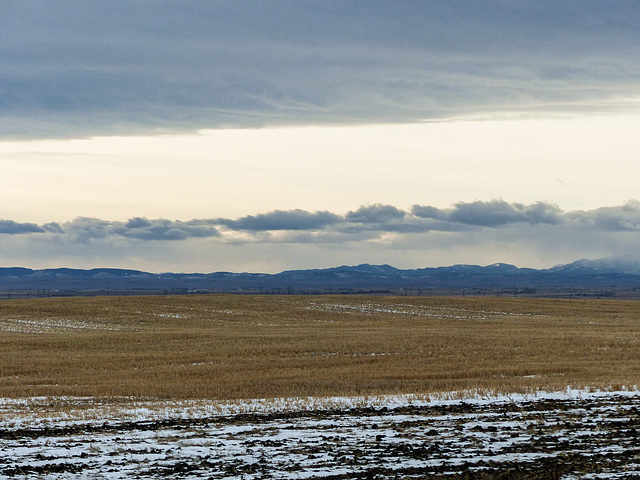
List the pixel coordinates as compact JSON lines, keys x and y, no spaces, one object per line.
{"x":271,"y":135}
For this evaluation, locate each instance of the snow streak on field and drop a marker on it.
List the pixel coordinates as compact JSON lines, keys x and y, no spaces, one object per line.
{"x":416,"y":310}
{"x":573,"y":434}
{"x":53,"y":325}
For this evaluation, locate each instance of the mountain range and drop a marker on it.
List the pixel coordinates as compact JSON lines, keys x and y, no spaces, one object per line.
{"x":602,"y":274}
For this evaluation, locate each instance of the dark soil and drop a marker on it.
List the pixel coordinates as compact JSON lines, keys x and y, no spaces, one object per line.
{"x":593,"y":437}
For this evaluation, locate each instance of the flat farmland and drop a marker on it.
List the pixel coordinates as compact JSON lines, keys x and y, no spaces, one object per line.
{"x":245,"y":347}
{"x":293,"y":387}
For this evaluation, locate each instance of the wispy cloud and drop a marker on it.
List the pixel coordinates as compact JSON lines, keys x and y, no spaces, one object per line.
{"x":70,"y":68}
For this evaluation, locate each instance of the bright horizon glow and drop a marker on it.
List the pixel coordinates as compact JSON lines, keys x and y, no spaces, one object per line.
{"x":577,"y":162}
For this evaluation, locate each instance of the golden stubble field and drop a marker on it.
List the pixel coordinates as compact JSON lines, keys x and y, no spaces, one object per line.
{"x":237,"y":347}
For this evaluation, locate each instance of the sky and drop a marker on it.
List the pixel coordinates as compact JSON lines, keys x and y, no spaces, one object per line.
{"x":261,"y":136}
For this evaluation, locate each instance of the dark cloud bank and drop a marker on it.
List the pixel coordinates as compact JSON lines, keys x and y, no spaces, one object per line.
{"x":77,"y":68}
{"x":374,"y":220}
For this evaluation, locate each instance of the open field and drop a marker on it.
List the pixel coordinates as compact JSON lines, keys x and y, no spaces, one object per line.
{"x":343,"y":387}
{"x":231,"y":347}
{"x":226,"y":347}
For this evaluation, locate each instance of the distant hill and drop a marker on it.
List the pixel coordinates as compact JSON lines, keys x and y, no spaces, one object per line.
{"x":621,"y":264}
{"x":598,"y":274}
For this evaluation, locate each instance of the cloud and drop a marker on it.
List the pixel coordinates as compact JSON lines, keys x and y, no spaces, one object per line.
{"x":365,"y":223}
{"x":374,"y":214}
{"x":138,"y":222}
{"x":537,"y":234}
{"x":463,"y":217}
{"x":138,"y":228}
{"x":493,"y":213}
{"x":617,"y":218}
{"x":427,"y":211}
{"x":282,"y":220}
{"x":71,"y":68}
{"x":143,"y":229}
{"x":9,"y":227}
{"x":53,"y":227}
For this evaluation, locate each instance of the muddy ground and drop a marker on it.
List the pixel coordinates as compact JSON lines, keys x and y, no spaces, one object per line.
{"x":592,"y":437}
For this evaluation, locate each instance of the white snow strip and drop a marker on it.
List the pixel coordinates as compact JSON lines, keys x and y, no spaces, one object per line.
{"x":43,"y":411}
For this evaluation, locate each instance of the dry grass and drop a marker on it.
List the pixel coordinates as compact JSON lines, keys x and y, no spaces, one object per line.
{"x":231,"y":347}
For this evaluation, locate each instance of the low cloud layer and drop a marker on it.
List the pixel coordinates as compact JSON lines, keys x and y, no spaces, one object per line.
{"x":78,"y":68}
{"x":86,"y":229}
{"x":463,"y":216}
{"x":493,"y":214}
{"x":282,"y":220}
{"x":10,"y":227}
{"x":539,"y":234}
